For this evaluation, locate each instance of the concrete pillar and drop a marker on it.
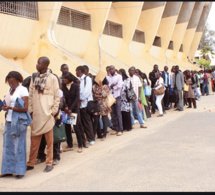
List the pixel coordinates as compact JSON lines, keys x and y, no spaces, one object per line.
{"x":199,"y":30}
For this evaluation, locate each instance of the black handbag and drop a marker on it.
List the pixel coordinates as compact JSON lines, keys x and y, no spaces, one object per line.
{"x":131,"y":95}
{"x":93,"y":106}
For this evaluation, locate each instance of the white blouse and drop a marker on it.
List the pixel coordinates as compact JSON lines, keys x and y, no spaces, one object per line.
{"x":19,"y":92}
{"x":159,"y":82}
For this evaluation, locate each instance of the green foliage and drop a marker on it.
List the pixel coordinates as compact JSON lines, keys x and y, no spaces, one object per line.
{"x":203,"y":62}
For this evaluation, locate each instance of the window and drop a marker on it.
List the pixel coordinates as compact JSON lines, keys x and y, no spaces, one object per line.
{"x":157,"y":41}
{"x":181,"y":48}
{"x":139,"y":36}
{"x":25,"y":9}
{"x":170,"y":45}
{"x":113,"y":29}
{"x":73,"y":18}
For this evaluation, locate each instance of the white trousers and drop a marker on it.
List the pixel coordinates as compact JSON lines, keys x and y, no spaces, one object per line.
{"x":158,"y":103}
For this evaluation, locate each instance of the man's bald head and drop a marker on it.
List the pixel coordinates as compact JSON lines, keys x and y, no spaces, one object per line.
{"x":42,"y":64}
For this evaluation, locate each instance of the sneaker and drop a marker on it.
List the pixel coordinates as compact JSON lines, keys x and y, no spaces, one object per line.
{"x":39,"y":161}
{"x":79,"y":150}
{"x":143,"y":126}
{"x":114,"y":133}
{"x":92,"y":142}
{"x":48,"y":168}
{"x":136,"y":121}
{"x":55,"y":162}
{"x":119,"y":133}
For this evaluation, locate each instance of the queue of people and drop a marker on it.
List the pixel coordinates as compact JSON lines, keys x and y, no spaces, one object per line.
{"x":43,"y":98}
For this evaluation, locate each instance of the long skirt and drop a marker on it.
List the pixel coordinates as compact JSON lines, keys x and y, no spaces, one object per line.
{"x":126,"y":120}
{"x":14,"y":151}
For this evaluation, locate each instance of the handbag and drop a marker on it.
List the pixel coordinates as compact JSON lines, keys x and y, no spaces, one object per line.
{"x":93,"y":107}
{"x":130,"y":94}
{"x":147,"y":90}
{"x":59,"y":133}
{"x":159,"y":91}
{"x":110,"y":100}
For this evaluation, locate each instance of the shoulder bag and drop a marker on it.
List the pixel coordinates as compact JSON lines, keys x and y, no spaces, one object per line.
{"x":110,"y":100}
{"x":59,"y":133}
{"x":131,"y":95}
{"x":160,"y":91}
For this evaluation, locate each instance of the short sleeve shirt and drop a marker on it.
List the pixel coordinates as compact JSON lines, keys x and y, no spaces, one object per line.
{"x":136,"y":83}
{"x":20,"y":92}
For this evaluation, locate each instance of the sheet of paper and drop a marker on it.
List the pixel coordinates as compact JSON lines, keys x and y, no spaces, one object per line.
{"x":100,"y":76}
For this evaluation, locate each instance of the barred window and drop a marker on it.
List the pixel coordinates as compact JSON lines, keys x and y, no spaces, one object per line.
{"x":74,"y":18}
{"x":181,"y":48}
{"x":25,"y":9}
{"x":170,"y":45}
{"x":157,"y":41}
{"x":113,"y":29}
{"x":139,"y":36}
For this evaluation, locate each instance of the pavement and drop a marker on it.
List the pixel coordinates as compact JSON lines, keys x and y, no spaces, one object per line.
{"x":175,"y":153}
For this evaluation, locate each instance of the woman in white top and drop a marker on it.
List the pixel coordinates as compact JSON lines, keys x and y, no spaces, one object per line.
{"x":159,"y":83}
{"x":14,"y":145}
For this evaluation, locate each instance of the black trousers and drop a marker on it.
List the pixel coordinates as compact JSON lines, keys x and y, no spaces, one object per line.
{"x":87,"y":124}
{"x":97,"y":128}
{"x":153,"y":98}
{"x":41,"y":152}
{"x":166,"y":98}
{"x":126,"y":120}
{"x":78,"y":131}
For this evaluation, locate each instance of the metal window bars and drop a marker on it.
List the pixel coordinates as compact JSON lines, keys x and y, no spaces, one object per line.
{"x":113,"y":29}
{"x":74,"y":18}
{"x":25,"y":9}
{"x":139,"y":36}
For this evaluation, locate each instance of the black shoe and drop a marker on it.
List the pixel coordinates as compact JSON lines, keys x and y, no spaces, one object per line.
{"x":86,"y":145}
{"x":5,"y":175}
{"x":176,"y":109}
{"x":48,"y":168}
{"x":19,"y":176}
{"x":28,"y":168}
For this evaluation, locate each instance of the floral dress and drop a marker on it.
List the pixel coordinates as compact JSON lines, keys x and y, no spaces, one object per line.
{"x":125,"y":105}
{"x":103,"y":105}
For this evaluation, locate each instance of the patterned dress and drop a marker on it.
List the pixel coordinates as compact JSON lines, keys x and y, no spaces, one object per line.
{"x":105,"y":110}
{"x":125,"y":105}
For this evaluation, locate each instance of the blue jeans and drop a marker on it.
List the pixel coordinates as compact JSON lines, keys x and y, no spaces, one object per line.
{"x":197,"y":92}
{"x":108,"y":121}
{"x":203,"y":88}
{"x":135,"y":111}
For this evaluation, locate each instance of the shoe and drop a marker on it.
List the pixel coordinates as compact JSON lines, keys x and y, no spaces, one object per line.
{"x":68,"y":149}
{"x":48,"y":168}
{"x":119,"y":133}
{"x":79,"y":150}
{"x":160,"y":115}
{"x":132,"y":126}
{"x":28,"y":168}
{"x":86,"y":145}
{"x":176,"y":109}
{"x":167,"y":108}
{"x":189,"y":107}
{"x":5,"y":175}
{"x":19,"y":176}
{"x":114,"y":133}
{"x":55,"y":162}
{"x":39,"y":161}
{"x":143,"y":126}
{"x":103,"y":139}
{"x":92,"y":142}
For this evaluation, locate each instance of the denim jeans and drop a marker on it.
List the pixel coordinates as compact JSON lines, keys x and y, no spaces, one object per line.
{"x":109,"y":124}
{"x":203,"y":88}
{"x":136,"y":111}
{"x":197,"y":92}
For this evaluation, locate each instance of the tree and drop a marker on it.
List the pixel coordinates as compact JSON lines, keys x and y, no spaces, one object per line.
{"x":206,"y":52}
{"x":207,"y":37}
{"x":204,"y":63}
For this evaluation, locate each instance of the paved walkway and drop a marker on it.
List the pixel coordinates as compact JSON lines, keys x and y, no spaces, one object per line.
{"x":175,"y":153}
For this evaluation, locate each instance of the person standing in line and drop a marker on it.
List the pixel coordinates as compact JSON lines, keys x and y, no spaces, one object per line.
{"x":178,"y":87}
{"x":115,"y":85}
{"x":159,"y":83}
{"x":125,"y":104}
{"x":71,"y":94}
{"x":205,"y":83}
{"x":153,"y":79}
{"x":166,"y":78}
{"x":100,"y":92}
{"x":85,"y":97}
{"x":64,"y":69}
{"x":136,"y":84}
{"x":15,"y":130}
{"x":210,"y":89}
{"x":189,"y":80}
{"x":44,"y":99}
